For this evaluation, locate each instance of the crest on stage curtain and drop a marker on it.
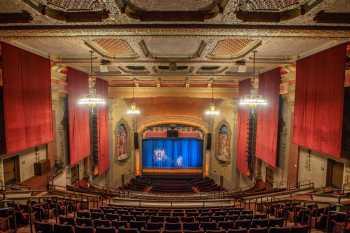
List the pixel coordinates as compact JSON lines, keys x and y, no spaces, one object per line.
{"x":223,"y":143}
{"x":122,"y":142}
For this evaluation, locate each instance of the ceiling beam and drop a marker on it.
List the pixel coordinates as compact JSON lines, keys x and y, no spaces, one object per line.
{"x":245,"y":30}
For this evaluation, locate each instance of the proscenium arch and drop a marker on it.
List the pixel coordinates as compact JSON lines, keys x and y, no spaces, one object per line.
{"x":189,"y":121}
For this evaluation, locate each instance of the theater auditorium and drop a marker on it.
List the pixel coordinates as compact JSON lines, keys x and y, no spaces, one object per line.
{"x":174,"y":116}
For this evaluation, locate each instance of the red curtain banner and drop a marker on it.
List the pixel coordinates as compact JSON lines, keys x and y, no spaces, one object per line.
{"x":27,"y":99}
{"x":78,"y":117}
{"x":319,"y":99}
{"x":243,"y":131}
{"x":102,"y":126}
{"x":267,"y":117}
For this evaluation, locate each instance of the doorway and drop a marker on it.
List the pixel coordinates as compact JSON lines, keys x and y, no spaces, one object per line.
{"x":11,"y":170}
{"x":335,"y":171}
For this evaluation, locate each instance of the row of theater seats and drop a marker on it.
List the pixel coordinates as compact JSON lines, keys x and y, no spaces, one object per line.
{"x":62,"y":228}
{"x":169,"y":183}
{"x":324,"y":219}
{"x":135,"y":220}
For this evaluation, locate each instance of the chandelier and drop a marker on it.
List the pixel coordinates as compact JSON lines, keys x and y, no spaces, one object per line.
{"x":212,"y":111}
{"x":133,"y":110}
{"x":91,"y":99}
{"x":254,"y":99}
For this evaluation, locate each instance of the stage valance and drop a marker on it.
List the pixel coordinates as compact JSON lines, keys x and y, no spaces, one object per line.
{"x":319,"y":97}
{"x":79,"y":130}
{"x":27,"y":99}
{"x":267,"y":117}
{"x":102,"y":126}
{"x":243,"y":131}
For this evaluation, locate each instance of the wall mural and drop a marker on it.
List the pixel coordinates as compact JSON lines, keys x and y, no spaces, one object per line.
{"x":122,"y":142}
{"x":223,"y":143}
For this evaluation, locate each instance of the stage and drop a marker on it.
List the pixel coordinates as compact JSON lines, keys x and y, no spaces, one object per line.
{"x":156,"y":171}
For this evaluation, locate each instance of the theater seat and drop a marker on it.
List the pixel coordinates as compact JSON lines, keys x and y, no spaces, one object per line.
{"x":81,"y":229}
{"x":279,"y":230}
{"x":60,"y":228}
{"x":215,"y":231}
{"x":244,"y":223}
{"x":154,"y":226}
{"x":172,"y":226}
{"x":150,"y":231}
{"x":66,"y":220}
{"x":172,"y":219}
{"x":190,"y":226}
{"x":118,"y":224}
{"x":83,"y":214}
{"x":274,"y":222}
{"x":187,"y":219}
{"x":41,"y":227}
{"x":83,"y":221}
{"x":141,"y":218}
{"x":172,"y":231}
{"x":137,"y":224}
{"x":258,"y":230}
{"x":260,"y":223}
{"x":105,"y":230}
{"x":300,"y":229}
{"x":128,"y":230}
{"x":208,"y":226}
{"x":242,"y":230}
{"x":226,"y":224}
{"x":111,"y":216}
{"x":102,"y":223}
{"x":157,"y":219}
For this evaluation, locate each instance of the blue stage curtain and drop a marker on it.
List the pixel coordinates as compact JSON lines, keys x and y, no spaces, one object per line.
{"x":169,"y":153}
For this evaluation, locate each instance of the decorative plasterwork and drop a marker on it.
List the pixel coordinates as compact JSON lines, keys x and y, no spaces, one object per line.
{"x":233,"y":48}
{"x":170,"y":10}
{"x":75,"y":5}
{"x":170,"y":70}
{"x":274,"y":10}
{"x":172,"y":48}
{"x":62,"y":10}
{"x":112,"y":48}
{"x":269,"y":5}
{"x":129,"y":70}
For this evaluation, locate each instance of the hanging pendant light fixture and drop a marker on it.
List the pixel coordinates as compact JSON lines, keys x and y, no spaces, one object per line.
{"x":133,"y":110}
{"x":92,"y":99}
{"x":254,"y":99}
{"x":212,"y":111}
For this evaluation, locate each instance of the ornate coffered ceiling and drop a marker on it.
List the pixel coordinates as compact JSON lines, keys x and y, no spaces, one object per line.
{"x":176,"y":44}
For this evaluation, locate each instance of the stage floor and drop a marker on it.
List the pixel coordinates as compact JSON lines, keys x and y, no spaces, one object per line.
{"x":172,"y":171}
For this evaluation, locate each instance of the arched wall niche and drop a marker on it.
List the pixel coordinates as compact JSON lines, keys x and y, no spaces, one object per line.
{"x":223,"y":145}
{"x":122,"y":145}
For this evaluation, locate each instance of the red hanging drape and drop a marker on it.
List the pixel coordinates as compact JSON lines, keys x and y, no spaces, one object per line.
{"x":267,"y":117}
{"x":78,"y":116}
{"x":102,"y":126}
{"x":243,"y":131}
{"x":319,"y":97}
{"x":27,"y":99}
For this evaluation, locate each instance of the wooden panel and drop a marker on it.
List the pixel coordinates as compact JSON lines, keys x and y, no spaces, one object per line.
{"x":11,"y":170}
